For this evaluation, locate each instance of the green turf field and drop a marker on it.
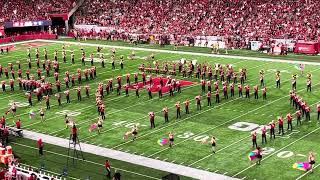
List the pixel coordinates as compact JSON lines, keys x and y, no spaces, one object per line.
{"x":218,"y":120}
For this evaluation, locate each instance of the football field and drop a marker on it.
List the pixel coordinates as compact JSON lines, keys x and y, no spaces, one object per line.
{"x":231,"y":121}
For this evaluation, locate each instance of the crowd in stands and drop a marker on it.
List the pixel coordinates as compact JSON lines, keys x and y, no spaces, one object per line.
{"x":237,"y":19}
{"x":27,"y":10}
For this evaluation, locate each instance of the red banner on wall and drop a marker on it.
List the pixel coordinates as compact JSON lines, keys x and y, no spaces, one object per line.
{"x":306,"y":48}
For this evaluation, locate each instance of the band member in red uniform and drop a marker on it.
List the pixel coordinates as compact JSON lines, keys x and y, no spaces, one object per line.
{"x":261,"y":78}
{"x":137,"y":92}
{"x":149,"y":92}
{"x":198,"y":101}
{"x":240,"y":90}
{"x":1,"y":71}
{"x":165,"y":114}
{"x":209,"y":98}
{"x":232,"y":90}
{"x":264,"y":134}
{"x":6,"y":72}
{"x":79,"y":93}
{"x":47,"y":98}
{"x":254,"y":139}
{"x":11,"y":84}
{"x":152,"y":117}
{"x":225,"y":91}
{"x":272,"y":129}
{"x":144,"y":79}
{"x":171,"y":139}
{"x":39,"y":73}
{"x":67,"y":93}
{"x":289,"y":121}
{"x":102,"y":111}
{"x":278,"y":77}
{"x":135,"y":78}
{"x":318,"y":109}
{"x":256,"y":89}
{"x":127,"y":89}
{"x":298,"y":115}
{"x":3,"y":83}
{"x":309,"y":83}
{"x":87,"y":89}
{"x":28,"y":74}
{"x":307,"y":110}
{"x":160,"y":91}
{"x":178,"y":107}
{"x":294,"y":81}
{"x":186,"y":106}
{"x":128,"y":78}
{"x":29,"y":96}
{"x":58,"y":96}
{"x":209,"y":85}
{"x":203,"y":86}
{"x":280,"y":124}
{"x":217,"y":96}
{"x":20,"y":73}
{"x":247,"y":89}
{"x":264,"y":93}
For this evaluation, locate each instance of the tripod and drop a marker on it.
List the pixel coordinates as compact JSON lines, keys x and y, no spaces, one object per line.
{"x":73,"y":142}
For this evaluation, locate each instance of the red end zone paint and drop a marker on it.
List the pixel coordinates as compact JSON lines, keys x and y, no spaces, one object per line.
{"x":36,"y":44}
{"x":156,"y":83}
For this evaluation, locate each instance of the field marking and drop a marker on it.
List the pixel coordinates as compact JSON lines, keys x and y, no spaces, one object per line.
{"x":91,"y":162}
{"x":173,"y":107}
{"x":211,"y":154}
{"x":187,"y":53}
{"x":278,"y":151}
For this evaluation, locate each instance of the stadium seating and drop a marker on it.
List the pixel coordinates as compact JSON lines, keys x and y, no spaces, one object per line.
{"x":242,"y":20}
{"x":26,"y":10}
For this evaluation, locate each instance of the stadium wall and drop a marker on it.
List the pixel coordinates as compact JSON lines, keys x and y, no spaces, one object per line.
{"x":27,"y":37}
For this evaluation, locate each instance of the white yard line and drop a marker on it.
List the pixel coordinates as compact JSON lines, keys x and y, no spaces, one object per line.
{"x":20,"y":42}
{"x":186,"y":53}
{"x":265,"y":158}
{"x":134,"y":159}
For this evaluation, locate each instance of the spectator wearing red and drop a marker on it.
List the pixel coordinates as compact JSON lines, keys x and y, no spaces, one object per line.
{"x":108,"y":168}
{"x":40,"y":146}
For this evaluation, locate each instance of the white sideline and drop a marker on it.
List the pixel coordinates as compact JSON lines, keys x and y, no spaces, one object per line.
{"x":186,"y":53}
{"x":131,"y":158}
{"x":20,"y":42}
